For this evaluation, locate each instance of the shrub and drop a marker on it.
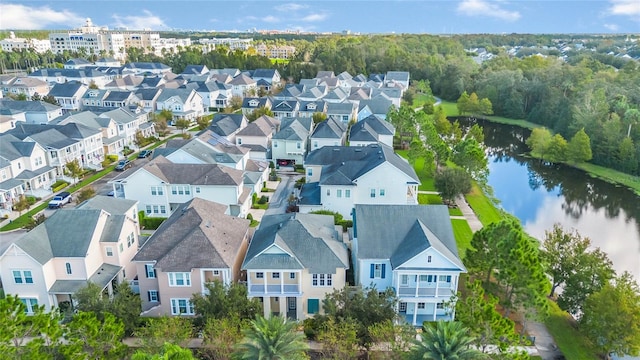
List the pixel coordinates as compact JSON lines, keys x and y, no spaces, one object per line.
{"x":311,"y":328}
{"x":337,"y":217}
{"x":55,"y":188}
{"x":254,"y":198}
{"x":249,"y":217}
{"x":111,"y":158}
{"x":35,"y":221}
{"x":346,"y":224}
{"x":152,"y":223}
{"x":263,"y":200}
{"x":59,"y":183}
{"x":31,"y":200}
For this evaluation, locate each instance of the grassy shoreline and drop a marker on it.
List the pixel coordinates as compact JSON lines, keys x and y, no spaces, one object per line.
{"x":603,"y":173}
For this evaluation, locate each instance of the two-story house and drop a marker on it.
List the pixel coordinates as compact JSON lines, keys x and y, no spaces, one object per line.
{"x":290,"y":143}
{"x":285,"y":108}
{"x":183,"y":103}
{"x":331,"y":132}
{"x":93,"y":243}
{"x":69,"y":95}
{"x":293,"y":261}
{"x":242,"y":85}
{"x":266,"y":78}
{"x":149,"y":98}
{"x":412,"y":249}
{"x":112,"y":143}
{"x":161,"y":186}
{"x":145,"y":68}
{"x":249,"y":105}
{"x":379,"y":106}
{"x":35,"y":112}
{"x":257,"y":135}
{"x":345,"y":111}
{"x":308,"y":108}
{"x":371,"y":130}
{"x":339,"y":177}
{"x":128,"y":123}
{"x":196,"y":245}
{"x":27,"y":86}
{"x":228,"y":125}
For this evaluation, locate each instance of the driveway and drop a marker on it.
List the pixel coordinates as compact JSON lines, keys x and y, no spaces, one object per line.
{"x":280,"y":199}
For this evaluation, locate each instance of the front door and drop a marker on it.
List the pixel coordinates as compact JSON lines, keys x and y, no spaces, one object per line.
{"x":292,"y":308}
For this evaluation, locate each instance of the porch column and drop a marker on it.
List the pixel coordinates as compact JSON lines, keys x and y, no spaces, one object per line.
{"x":264,"y":280}
{"x":415,"y":313}
{"x":417,"y":284}
{"x":282,"y":282}
{"x":435,"y":309}
{"x":300,"y":308}
{"x":437,"y":281}
{"x":284,"y":306}
{"x":266,"y":306}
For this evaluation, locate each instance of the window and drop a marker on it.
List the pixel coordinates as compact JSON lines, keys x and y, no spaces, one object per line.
{"x":315,"y":144}
{"x":373,"y":193}
{"x":298,"y":145}
{"x":121,"y":246}
{"x":68,"y":266}
{"x":153,"y":295}
{"x":404,"y":280}
{"x":292,"y":275}
{"x":157,"y":190}
{"x":429,"y":258}
{"x":109,"y":251}
{"x":309,"y":172}
{"x":275,"y":144}
{"x":420,"y":305}
{"x":181,"y":307}
{"x":347,"y":193}
{"x":402,"y":307}
{"x":22,"y":277}
{"x":197,"y":189}
{"x":445,"y":278}
{"x":163,"y":209}
{"x":423,"y":278}
{"x":156,"y":209}
{"x":275,"y":275}
{"x":179,"y":279}
{"x":259,"y":275}
{"x":30,"y":304}
{"x":381,"y":192}
{"x":377,"y":271}
{"x":174,"y":190}
{"x":216,"y":272}
{"x":339,"y":193}
{"x":328,"y":192}
{"x":148,"y":209}
{"x":151,"y":272}
{"x":440,"y":305}
{"x":130,"y":240}
{"x":313,"y":305}
{"x":239,"y":141}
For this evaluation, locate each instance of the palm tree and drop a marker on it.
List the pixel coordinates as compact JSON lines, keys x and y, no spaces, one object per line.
{"x":444,"y":341}
{"x":274,"y":338}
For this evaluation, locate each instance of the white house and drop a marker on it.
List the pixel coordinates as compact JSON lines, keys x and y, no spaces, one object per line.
{"x":371,"y":130}
{"x":339,"y":177}
{"x":242,"y":85}
{"x":69,"y":95}
{"x":183,"y":103}
{"x":92,"y":243}
{"x":257,"y":137}
{"x":412,"y":249}
{"x":128,"y":123}
{"x":35,"y":112}
{"x":331,"y":132}
{"x":161,"y":186}
{"x":290,"y":143}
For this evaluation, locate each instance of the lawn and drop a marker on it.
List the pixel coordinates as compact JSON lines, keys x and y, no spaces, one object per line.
{"x":419,"y":100}
{"x":451,"y":109}
{"x":429,"y":199}
{"x":426,"y":184}
{"x":455,"y":212}
{"x":483,"y":207}
{"x":611,"y":175}
{"x":463,"y":234}
{"x":572,"y":344}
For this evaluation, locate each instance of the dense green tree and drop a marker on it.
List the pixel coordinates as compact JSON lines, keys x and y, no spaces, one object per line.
{"x":444,"y":340}
{"x":21,"y":204}
{"x":222,"y":301}
{"x":85,"y":194}
{"x":611,"y":317}
{"x":221,"y":335}
{"x":404,"y":119}
{"x":203,"y":122}
{"x":258,"y":113}
{"x":557,"y":149}
{"x":159,"y":331}
{"x":627,"y":157}
{"x":451,"y":183}
{"x":271,"y":339}
{"x":73,"y":169}
{"x":182,"y":124}
{"x":86,"y":337}
{"x":394,"y":339}
{"x":476,"y":132}
{"x":469,"y":155}
{"x":319,"y":117}
{"x":124,"y":305}
{"x":579,"y":148}
{"x":339,"y":339}
{"x":168,"y":352}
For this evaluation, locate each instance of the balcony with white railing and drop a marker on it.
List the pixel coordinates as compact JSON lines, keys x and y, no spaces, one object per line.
{"x":274,"y":290}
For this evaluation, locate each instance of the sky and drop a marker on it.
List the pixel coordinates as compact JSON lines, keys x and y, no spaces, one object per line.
{"x":358,"y":16}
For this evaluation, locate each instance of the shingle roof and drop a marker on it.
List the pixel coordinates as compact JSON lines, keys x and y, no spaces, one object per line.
{"x":114,"y":206}
{"x":242,"y":79}
{"x":196,"y":235}
{"x":369,"y":129}
{"x":227,"y":124}
{"x":310,"y":239}
{"x":294,"y":129}
{"x":262,"y":126}
{"x":182,"y":94}
{"x":192,"y":174}
{"x":68,"y":89}
{"x":28,"y":106}
{"x":329,"y":129}
{"x":400,"y":232}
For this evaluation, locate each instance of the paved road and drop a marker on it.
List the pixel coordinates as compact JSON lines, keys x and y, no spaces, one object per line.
{"x":280,"y":199}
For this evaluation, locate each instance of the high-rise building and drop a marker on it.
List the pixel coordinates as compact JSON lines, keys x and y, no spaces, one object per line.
{"x":13,"y":43}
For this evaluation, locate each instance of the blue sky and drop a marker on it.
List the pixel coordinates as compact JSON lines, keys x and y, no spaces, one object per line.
{"x":437,"y":17}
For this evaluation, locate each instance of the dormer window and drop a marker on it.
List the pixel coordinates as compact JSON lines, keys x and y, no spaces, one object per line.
{"x":311,"y":106}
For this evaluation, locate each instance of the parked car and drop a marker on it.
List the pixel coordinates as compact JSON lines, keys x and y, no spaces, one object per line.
{"x":145,"y":153}
{"x":60,"y":200}
{"x":124,"y":165}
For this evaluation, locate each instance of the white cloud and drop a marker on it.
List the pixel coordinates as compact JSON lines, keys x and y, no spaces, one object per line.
{"x":137,"y":22}
{"x":612,"y":27}
{"x":270,"y":19}
{"x":314,"y":17}
{"x":625,"y":7}
{"x":487,"y":8}
{"x":290,"y":7}
{"x":13,"y":16}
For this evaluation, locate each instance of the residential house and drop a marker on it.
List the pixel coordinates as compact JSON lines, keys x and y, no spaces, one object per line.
{"x":26,"y":86}
{"x":193,"y":71}
{"x":290,"y":143}
{"x":257,"y":136}
{"x":198,"y":244}
{"x":8,"y":122}
{"x":112,"y":142}
{"x":127,"y":82}
{"x":209,"y":92}
{"x":339,"y":177}
{"x":266,"y":78}
{"x":35,"y":112}
{"x":145,"y":68}
{"x":290,"y":92}
{"x":308,"y":108}
{"x":69,"y":95}
{"x":412,"y":249}
{"x":293,"y":261}
{"x":129,"y":123}
{"x":199,"y":151}
{"x":149,"y":98}
{"x":378,"y":106}
{"x":391,"y":93}
{"x":285,"y":108}
{"x":313,"y":93}
{"x":249,"y":105}
{"x":183,"y":103}
{"x":371,"y":130}
{"x":336,"y":95}
{"x":331,"y":132}
{"x":161,"y":186}
{"x":88,"y":76}
{"x":228,"y":125}
{"x":76,"y":63}
{"x":108,"y":61}
{"x":242,"y":85}
{"x":93,"y":243}
{"x":397,"y":77}
{"x":345,"y":111}
{"x":23,"y":170}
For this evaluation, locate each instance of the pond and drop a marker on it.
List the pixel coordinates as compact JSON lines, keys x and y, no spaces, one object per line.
{"x":541,"y":194}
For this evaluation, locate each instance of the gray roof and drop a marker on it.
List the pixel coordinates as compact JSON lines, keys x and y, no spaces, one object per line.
{"x":12,"y":147}
{"x":10,"y":184}
{"x":260,"y":102}
{"x":120,"y":115}
{"x":242,"y":79}
{"x":369,"y":128}
{"x":192,"y":174}
{"x":89,"y":72}
{"x":226,"y":124}
{"x":114,"y":206}
{"x":264,"y":73}
{"x":310,"y":194}
{"x":147,"y":94}
{"x":214,"y":154}
{"x":49,"y":138}
{"x":102,"y":277}
{"x":196,"y":235}
{"x":183,"y":94}
{"x":329,"y":129}
{"x":294,"y":129}
{"x":397,"y":75}
{"x":68,"y":89}
{"x":378,"y":105}
{"x":311,"y":241}
{"x":147,"y":66}
{"x":344,"y":108}
{"x":31,"y":174}
{"x":67,"y":233}
{"x":27,"y":106}
{"x":118,"y":95}
{"x":285,"y":105}
{"x":262,"y":126}
{"x":343,"y":164}
{"x":400,"y":232}
{"x":325,"y":73}
{"x":313,"y":106}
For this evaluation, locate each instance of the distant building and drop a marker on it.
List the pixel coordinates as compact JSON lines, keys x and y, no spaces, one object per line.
{"x":12,"y":43}
{"x":276,"y":52}
{"x":232,"y":43}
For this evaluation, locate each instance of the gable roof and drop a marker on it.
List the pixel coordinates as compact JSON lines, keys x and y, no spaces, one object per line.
{"x":242,"y":79}
{"x":11,"y":147}
{"x":310,"y":239}
{"x":262,"y":126}
{"x":400,"y":232}
{"x":370,"y":128}
{"x":294,"y":129}
{"x":68,"y":89}
{"x":331,"y":128}
{"x":197,"y":235}
{"x":114,"y":206}
{"x":66,"y":233}
{"x":182,"y":94}
{"x":27,"y":106}
{"x":227,"y":124}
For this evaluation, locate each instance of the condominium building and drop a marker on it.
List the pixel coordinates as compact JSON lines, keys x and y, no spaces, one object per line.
{"x":91,"y":38}
{"x":13,"y":43}
{"x":232,"y":43}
